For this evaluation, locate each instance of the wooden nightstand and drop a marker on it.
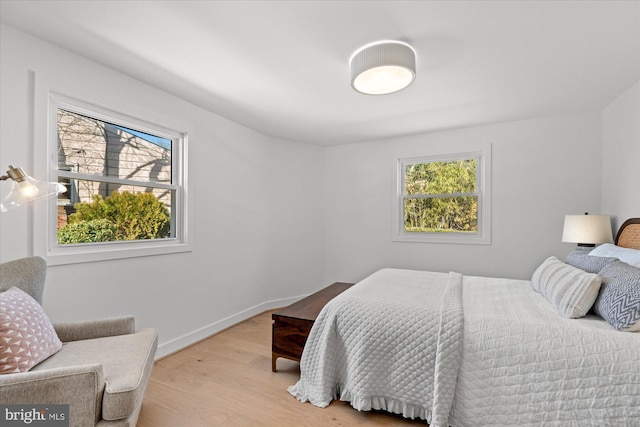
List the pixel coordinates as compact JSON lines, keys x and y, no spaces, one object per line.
{"x":292,"y":324}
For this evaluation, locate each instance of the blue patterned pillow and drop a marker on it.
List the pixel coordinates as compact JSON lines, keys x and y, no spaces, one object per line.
{"x":588,"y":263}
{"x":619,"y":299}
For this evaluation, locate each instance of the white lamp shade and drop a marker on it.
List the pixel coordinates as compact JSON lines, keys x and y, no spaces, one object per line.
{"x":587,"y":229}
{"x":383,"y":67}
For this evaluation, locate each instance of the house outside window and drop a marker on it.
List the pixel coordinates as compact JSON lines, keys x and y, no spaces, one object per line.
{"x":443,"y":198}
{"x":125,"y":183}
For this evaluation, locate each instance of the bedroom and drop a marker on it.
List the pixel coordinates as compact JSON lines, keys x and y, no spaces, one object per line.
{"x":248,"y":253}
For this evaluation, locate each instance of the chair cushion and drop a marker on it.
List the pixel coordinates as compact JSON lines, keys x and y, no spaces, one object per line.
{"x":26,"y":334}
{"x":126,"y":362}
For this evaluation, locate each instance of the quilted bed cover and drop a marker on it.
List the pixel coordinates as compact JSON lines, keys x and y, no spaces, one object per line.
{"x":468,"y":351}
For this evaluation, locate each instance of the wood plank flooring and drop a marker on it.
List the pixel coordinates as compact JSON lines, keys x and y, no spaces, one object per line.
{"x":226,"y":380}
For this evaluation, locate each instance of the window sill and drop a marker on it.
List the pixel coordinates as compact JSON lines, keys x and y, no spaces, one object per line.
{"x":466,"y":239}
{"x":75,"y":254}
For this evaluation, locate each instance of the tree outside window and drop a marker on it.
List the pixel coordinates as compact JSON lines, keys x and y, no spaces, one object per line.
{"x":443,"y":198}
{"x":119,"y":182}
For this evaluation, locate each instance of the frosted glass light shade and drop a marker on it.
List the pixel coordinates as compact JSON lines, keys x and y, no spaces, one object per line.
{"x":26,"y":189}
{"x":383,"y":67}
{"x":587,"y":230}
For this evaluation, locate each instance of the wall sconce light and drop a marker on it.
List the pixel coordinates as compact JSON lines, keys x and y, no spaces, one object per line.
{"x":26,"y":189}
{"x":587,"y":230}
{"x":383,"y":67}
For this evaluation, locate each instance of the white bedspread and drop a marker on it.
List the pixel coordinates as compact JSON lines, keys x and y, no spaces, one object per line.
{"x":391,"y":342}
{"x":399,"y":341}
{"x":523,"y":364}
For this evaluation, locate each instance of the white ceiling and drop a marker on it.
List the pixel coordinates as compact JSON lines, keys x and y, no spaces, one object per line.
{"x":281,"y":67}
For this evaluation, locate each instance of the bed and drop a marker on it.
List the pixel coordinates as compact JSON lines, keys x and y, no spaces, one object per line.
{"x":472,"y":351}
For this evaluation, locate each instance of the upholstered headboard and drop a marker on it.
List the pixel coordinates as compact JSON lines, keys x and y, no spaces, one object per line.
{"x":629,"y":234}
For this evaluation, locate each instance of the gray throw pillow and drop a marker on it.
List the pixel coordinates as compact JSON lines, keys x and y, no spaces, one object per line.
{"x":619,"y":300}
{"x":588,"y":263}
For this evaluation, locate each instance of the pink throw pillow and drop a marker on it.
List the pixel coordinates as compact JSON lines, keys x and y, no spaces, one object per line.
{"x":27,"y":336}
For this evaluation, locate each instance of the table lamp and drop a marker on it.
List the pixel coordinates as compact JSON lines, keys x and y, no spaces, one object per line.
{"x":587,"y":230}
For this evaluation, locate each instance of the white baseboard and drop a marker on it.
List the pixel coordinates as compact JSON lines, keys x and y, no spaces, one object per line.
{"x":177,"y":344}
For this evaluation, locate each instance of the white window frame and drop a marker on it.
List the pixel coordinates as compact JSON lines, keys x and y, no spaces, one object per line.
{"x":483,"y":176}
{"x":45,"y":221}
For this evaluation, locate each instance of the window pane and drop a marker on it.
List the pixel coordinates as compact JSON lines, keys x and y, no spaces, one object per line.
{"x":126,"y":213}
{"x":92,"y":146}
{"x":433,"y":178}
{"x":441,"y":214}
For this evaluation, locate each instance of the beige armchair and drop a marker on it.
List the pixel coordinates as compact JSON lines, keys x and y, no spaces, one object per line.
{"x":102,"y":370}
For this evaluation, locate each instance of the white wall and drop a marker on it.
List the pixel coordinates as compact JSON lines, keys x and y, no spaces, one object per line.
{"x":542,"y":170}
{"x":621,"y":156}
{"x":262,"y":238}
{"x":257,"y":241}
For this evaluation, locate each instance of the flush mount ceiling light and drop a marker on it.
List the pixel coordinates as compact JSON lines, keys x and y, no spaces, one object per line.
{"x":383,"y":67}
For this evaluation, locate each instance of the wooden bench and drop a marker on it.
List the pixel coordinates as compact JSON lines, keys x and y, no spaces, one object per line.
{"x":292,"y":324}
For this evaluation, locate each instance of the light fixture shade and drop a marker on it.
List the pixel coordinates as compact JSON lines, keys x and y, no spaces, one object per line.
{"x":587,"y":230}
{"x":383,"y":67}
{"x":26,"y":189}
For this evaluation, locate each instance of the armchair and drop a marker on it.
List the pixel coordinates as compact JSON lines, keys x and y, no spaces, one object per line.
{"x":102,"y":370}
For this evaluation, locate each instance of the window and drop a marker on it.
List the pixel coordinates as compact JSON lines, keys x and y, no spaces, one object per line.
{"x":125,"y":185}
{"x":443,"y":198}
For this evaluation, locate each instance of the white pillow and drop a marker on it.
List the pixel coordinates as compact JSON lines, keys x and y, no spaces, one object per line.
{"x":630,"y":256}
{"x":572,"y":291}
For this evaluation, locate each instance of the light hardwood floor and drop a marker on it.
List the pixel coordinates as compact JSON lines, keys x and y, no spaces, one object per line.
{"x":226,"y":380}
